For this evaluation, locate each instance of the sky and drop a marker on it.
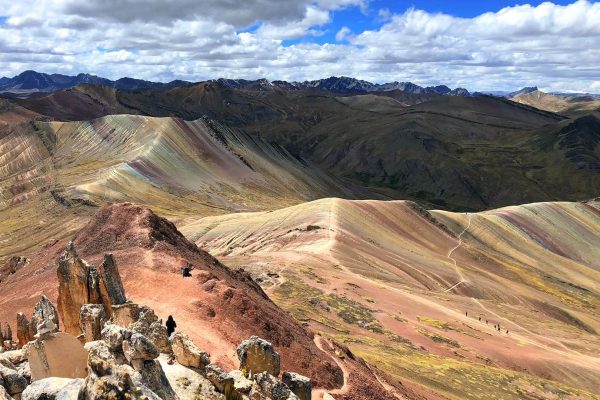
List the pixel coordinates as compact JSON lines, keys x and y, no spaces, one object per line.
{"x":477,"y":44}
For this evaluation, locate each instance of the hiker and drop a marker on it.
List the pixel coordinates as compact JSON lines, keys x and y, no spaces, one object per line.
{"x":466,"y":314}
{"x":171,"y":325}
{"x":507,"y":331}
{"x":185,"y":272}
{"x":486,"y":321}
{"x":479,"y":319}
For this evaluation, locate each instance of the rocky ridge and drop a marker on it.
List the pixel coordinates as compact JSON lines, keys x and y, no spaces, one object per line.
{"x":125,"y":356}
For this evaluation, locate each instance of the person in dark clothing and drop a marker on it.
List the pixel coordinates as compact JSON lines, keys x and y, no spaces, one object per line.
{"x":171,"y":325}
{"x":186,"y":272}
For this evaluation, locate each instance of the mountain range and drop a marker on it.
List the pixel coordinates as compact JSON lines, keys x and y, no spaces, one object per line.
{"x":33,"y":82}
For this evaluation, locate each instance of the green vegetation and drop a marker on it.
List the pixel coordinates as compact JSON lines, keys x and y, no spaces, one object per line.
{"x":458,"y":379}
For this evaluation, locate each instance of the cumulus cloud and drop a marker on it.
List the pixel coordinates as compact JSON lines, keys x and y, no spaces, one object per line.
{"x":552,"y":46}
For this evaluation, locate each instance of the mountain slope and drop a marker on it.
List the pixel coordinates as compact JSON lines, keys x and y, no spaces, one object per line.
{"x":176,"y":167}
{"x":556,"y":103}
{"x":394,"y":281}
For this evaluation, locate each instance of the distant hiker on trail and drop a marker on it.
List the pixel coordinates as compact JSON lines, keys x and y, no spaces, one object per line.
{"x":480,"y":319}
{"x":171,"y":325}
{"x":466,"y":314}
{"x":507,"y":331}
{"x":486,"y":321}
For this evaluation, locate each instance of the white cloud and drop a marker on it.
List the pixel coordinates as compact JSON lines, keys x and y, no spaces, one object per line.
{"x":552,"y":46}
{"x":342,"y":33}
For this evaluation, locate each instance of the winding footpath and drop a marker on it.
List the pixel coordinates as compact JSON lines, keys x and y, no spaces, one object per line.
{"x":452,"y":250}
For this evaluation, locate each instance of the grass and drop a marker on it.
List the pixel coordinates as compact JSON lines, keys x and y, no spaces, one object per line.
{"x":457,"y":379}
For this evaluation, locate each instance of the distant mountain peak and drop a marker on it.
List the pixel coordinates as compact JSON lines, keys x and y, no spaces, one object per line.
{"x":525,"y":90}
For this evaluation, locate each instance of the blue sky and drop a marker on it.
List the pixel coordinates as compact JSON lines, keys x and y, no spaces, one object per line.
{"x":468,"y":43}
{"x":358,"y":21}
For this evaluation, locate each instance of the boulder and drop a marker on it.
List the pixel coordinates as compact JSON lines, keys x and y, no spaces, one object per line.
{"x":92,"y":318}
{"x":108,"y":378}
{"x":139,"y":347}
{"x":125,"y":314}
{"x":272,"y":388}
{"x":187,"y":353}
{"x":14,"y":357}
{"x":114,"y":336}
{"x":256,"y":355}
{"x":13,"y":382}
{"x":151,"y":375}
{"x":241,"y":384}
{"x":218,"y":378}
{"x":43,"y":312}
{"x":157,"y":333}
{"x":57,"y":355}
{"x":53,"y":389}
{"x":23,"y":330}
{"x":298,"y":384}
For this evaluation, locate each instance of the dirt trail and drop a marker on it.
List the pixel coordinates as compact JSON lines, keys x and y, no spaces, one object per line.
{"x":319,"y":393}
{"x":452,"y":250}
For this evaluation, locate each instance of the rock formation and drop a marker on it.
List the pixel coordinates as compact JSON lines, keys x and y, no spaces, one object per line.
{"x":187,"y":353}
{"x":82,"y":283}
{"x":91,"y":319}
{"x":43,"y":313}
{"x":53,"y":389}
{"x":298,"y":384}
{"x":257,"y":355}
{"x":23,"y":330}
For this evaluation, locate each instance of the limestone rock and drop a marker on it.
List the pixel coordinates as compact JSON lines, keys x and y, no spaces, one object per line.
{"x":187,"y":353}
{"x":53,"y":389}
{"x":256,"y":355}
{"x":298,"y":384}
{"x":82,"y":283}
{"x":14,"y":383}
{"x":114,"y":336}
{"x":125,"y":314}
{"x":151,"y":375}
{"x":57,"y":355}
{"x":43,"y":312}
{"x":113,"y":286}
{"x":218,"y":377}
{"x":139,"y":347}
{"x":73,"y":290}
{"x":14,"y":357}
{"x":92,"y":318}
{"x":23,"y":330}
{"x":157,"y":333}
{"x":8,"y":333}
{"x":241,"y":384}
{"x":273,"y":388}
{"x":3,"y":394}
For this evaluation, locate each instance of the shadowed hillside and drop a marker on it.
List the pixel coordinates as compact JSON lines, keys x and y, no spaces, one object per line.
{"x":460,"y":153}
